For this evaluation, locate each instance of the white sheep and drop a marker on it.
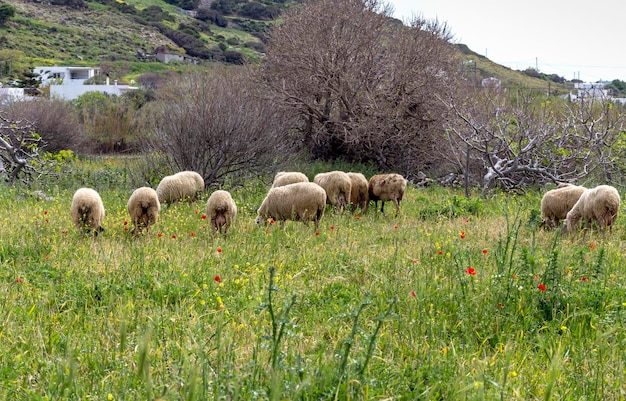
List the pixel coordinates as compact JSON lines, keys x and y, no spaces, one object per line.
{"x":87,"y":210}
{"x":338,"y":187}
{"x":557,"y":202}
{"x":302,"y":201}
{"x":143,"y":207}
{"x":600,"y":205}
{"x":359,"y":192}
{"x":288,"y":177}
{"x":387,"y":187}
{"x":221,"y":210}
{"x":182,"y":186}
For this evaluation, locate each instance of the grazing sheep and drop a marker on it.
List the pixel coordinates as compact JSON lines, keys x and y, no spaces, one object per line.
{"x":557,"y":202}
{"x":288,"y":177}
{"x":221,"y":209}
{"x":87,"y":210}
{"x":338,"y":187}
{"x":599,"y":205}
{"x":182,"y":186}
{"x":302,"y":201}
{"x":143,"y":207}
{"x":387,"y":187}
{"x":359,"y":192}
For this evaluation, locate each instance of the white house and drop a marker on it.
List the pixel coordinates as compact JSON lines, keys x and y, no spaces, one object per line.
{"x":69,"y":82}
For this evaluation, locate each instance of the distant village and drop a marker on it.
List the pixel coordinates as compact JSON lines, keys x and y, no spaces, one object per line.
{"x":69,"y":83}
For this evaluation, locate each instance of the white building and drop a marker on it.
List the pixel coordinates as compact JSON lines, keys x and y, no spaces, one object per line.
{"x":69,"y":82}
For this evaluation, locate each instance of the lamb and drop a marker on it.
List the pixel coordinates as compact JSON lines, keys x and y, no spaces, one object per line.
{"x":182,"y":186}
{"x":87,"y":210}
{"x":600,"y":205}
{"x":143,"y":207}
{"x":557,"y":202}
{"x":302,"y":201}
{"x":288,"y":177}
{"x":338,"y":187}
{"x":359,"y":193}
{"x":221,"y":210}
{"x":387,"y":187}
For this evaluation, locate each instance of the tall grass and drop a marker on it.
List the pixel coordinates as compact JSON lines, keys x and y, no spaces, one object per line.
{"x":454,"y":299}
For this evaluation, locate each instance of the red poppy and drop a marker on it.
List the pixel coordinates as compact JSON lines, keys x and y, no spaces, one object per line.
{"x":358,"y":217}
{"x":467,"y":220}
{"x":412,"y":293}
{"x":317,"y":233}
{"x":219,"y":250}
{"x":159,"y":235}
{"x":485,"y":251}
{"x":332,"y":227}
{"x":173,"y":236}
{"x":585,"y":278}
{"x":462,"y":234}
{"x":125,"y":223}
{"x":217,"y":278}
{"x":125,"y":228}
{"x":203,"y":216}
{"x":193,"y":234}
{"x":470,"y":271}
{"x":271,"y":221}
{"x":439,"y":252}
{"x":64,"y":232}
{"x":396,"y":227}
{"x":541,"y":287}
{"x":45,"y":212}
{"x":592,"y":246}
{"x":19,"y":280}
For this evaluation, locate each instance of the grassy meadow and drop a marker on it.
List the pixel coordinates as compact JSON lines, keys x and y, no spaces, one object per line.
{"x":454,"y":299}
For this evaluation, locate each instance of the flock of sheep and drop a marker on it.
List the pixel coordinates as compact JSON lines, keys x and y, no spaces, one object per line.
{"x":575,"y":204}
{"x":291,"y":197}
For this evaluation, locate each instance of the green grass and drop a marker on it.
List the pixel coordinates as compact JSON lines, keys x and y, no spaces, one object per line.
{"x":370,"y":307}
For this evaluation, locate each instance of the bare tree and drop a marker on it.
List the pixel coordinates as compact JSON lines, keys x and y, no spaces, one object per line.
{"x":523,"y":138}
{"x":217,"y":124}
{"x":361,"y":83}
{"x":20,"y":151}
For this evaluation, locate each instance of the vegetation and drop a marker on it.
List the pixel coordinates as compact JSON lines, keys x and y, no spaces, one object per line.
{"x":455,"y":298}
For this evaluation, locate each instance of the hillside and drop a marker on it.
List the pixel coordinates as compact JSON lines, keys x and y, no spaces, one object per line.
{"x":125,"y":36}
{"x":44,"y":34}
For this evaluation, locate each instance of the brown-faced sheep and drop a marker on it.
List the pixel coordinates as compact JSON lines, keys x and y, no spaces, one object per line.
{"x":557,"y":202}
{"x":359,"y":192}
{"x":302,"y":201}
{"x":599,"y":205}
{"x":338,"y":187}
{"x":221,"y":210}
{"x":87,"y":210}
{"x":288,"y":177}
{"x":143,"y":207}
{"x":182,"y":186}
{"x":387,"y":187}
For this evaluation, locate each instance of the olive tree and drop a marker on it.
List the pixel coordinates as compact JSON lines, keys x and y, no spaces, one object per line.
{"x":361,"y":83}
{"x":216,"y":124}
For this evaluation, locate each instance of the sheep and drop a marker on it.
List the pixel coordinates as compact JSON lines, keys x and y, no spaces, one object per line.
{"x":143,"y":207}
{"x":288,"y":177}
{"x":302,"y":201}
{"x":338,"y":187}
{"x":221,"y":210}
{"x":359,"y":192}
{"x":87,"y":210}
{"x":600,"y":205}
{"x":557,"y":202}
{"x":385,"y":187}
{"x":184,"y":185}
